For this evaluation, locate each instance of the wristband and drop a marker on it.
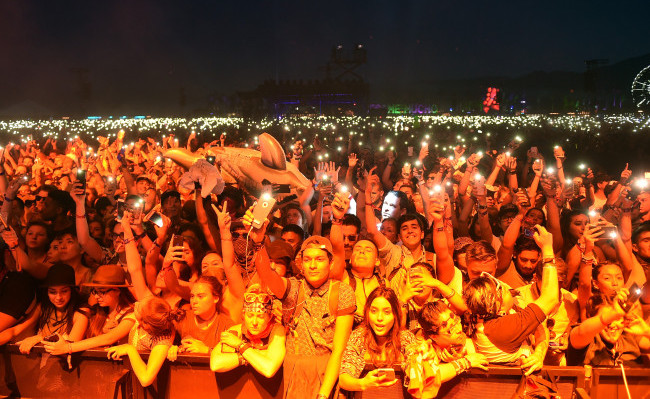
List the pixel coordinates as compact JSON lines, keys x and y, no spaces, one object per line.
{"x":626,"y":210}
{"x":440,"y":229}
{"x":155,"y":242}
{"x":129,"y":240}
{"x":139,"y":236}
{"x":453,"y":292}
{"x":243,"y":347}
{"x":81,"y":216}
{"x":337,"y":221}
{"x":13,"y":248}
{"x":9,"y":199}
{"x":548,"y":261}
{"x":482,"y":206}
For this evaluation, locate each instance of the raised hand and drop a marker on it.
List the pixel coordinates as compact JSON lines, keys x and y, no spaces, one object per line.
{"x":340,"y":204}
{"x":332,"y":171}
{"x":625,"y":174}
{"x":223,"y":216}
{"x":352,"y":160}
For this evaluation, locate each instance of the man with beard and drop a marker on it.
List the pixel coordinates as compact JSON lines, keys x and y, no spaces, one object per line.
{"x":56,"y":208}
{"x":526,"y":257}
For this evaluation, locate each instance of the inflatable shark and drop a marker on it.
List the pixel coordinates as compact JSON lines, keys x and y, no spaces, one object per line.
{"x":249,"y":167}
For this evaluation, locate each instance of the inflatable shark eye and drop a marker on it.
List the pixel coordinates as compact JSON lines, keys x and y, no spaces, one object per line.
{"x":272,"y":152}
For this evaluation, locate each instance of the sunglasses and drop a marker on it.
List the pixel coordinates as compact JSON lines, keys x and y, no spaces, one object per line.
{"x":236,"y":235}
{"x":262,"y":297}
{"x":350,"y":237}
{"x":39,"y":198}
{"x":494,"y":280}
{"x":101,"y":293}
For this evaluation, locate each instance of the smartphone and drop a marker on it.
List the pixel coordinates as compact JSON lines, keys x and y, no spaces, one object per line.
{"x":386,"y":374}
{"x":177,"y":241}
{"x":136,"y":209}
{"x":530,"y":233}
{"x":523,"y":191}
{"x":635,"y":293}
{"x":81,"y":177}
{"x":262,"y":209}
{"x":120,"y":210}
{"x":211,"y":159}
{"x":156,"y":218}
{"x":480,"y":184}
{"x":609,"y":232}
{"x":51,"y":338}
{"x":281,"y":189}
{"x":120,"y":155}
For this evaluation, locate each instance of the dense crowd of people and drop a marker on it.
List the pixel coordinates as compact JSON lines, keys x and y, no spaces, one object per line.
{"x":432,"y":264}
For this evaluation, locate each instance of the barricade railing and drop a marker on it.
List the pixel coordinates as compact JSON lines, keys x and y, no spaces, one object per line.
{"x":39,"y":375}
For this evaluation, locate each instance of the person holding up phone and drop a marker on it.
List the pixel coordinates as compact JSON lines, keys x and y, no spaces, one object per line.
{"x":610,"y":335}
{"x":379,"y":340}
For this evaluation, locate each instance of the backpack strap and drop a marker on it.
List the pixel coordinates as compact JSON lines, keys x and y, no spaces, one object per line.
{"x":352,"y":281}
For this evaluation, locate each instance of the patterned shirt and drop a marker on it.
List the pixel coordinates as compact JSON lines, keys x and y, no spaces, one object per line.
{"x":354,"y":356}
{"x":314,"y":331}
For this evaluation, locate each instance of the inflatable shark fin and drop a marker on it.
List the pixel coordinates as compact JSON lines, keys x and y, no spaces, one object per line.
{"x":272,"y":152}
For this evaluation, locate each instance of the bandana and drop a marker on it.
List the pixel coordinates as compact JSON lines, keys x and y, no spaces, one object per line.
{"x":244,"y":258}
{"x":257,"y":307}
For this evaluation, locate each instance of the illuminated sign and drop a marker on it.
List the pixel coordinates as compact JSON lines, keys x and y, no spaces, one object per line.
{"x":407,"y":109}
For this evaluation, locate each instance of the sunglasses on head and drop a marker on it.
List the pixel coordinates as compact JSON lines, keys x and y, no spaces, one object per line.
{"x":494,"y":280}
{"x":253,"y":297}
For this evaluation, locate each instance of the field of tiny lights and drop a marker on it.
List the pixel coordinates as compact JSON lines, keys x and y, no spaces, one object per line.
{"x":606,"y":140}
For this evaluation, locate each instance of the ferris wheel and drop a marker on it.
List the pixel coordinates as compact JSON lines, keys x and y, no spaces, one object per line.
{"x":641,"y":89}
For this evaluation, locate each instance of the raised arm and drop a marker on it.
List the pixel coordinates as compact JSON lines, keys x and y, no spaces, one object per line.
{"x":548,"y":298}
{"x":340,"y":206}
{"x":133,"y":261}
{"x":271,"y":279}
{"x":371,"y":226}
{"x":89,"y":245}
{"x":235,"y":281}
{"x":444,"y":261}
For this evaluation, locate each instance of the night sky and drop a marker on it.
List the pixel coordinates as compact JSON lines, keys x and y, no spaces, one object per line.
{"x":140,"y":53}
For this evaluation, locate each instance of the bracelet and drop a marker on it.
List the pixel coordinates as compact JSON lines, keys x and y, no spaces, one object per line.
{"x":482,"y":213}
{"x":241,"y":359}
{"x":453,"y":292}
{"x":9,"y":199}
{"x":337,"y":221}
{"x":440,"y":229}
{"x":626,"y":210}
{"x":13,"y":248}
{"x":155,"y":242}
{"x":482,"y":206}
{"x":81,"y":216}
{"x":321,"y":396}
{"x":128,"y":240}
{"x":139,"y":236}
{"x":587,"y":260}
{"x":243,"y":347}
